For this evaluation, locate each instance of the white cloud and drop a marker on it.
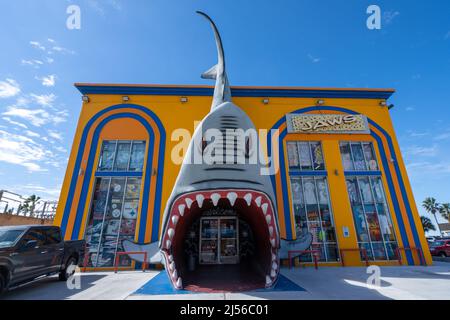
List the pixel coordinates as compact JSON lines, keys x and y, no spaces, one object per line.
{"x":15,"y":123}
{"x":101,"y":6}
{"x":410,"y":108}
{"x":428,"y":168}
{"x":389,"y":16}
{"x":421,"y":151}
{"x":442,"y":136}
{"x":33,"y":63}
{"x":48,"y":81}
{"x":37,"y":117}
{"x":37,"y":45}
{"x":32,"y":134}
{"x":63,"y":50}
{"x":49,"y":60}
{"x":313,"y":59}
{"x":9,"y":88}
{"x":45,"y":100}
{"x":47,"y":193}
{"x":55,"y":135}
{"x":51,"y":40}
{"x":23,"y":151}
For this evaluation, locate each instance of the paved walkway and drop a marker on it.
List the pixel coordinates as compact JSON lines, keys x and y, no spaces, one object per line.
{"x":326,"y":283}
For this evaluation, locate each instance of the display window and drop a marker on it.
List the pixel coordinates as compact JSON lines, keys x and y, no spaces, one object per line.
{"x":115,"y":203}
{"x":122,"y":156}
{"x":371,"y":217}
{"x":305,"y":156}
{"x":358,"y":156}
{"x":311,"y":199}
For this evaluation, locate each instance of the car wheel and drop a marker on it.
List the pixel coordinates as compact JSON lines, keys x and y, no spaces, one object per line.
{"x":69,"y":269}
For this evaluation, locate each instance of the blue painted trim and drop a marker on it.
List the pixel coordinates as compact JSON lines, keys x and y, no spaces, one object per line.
{"x":389,"y":178}
{"x":90,"y":166}
{"x":118,"y":174}
{"x":362,"y":173}
{"x":307,"y":173}
{"x":72,"y":187}
{"x":236,"y":92}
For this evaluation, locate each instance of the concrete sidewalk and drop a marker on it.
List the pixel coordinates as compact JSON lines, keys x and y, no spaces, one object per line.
{"x":326,"y":283}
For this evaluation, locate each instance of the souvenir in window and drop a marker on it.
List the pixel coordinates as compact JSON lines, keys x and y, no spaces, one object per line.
{"x":370,"y":156}
{"x":346,"y":157}
{"x":122,"y":156}
{"x":297,"y":192}
{"x":358,"y":157}
{"x":107,"y":156}
{"x":133,"y":188}
{"x":137,"y":156}
{"x":305,"y":157}
{"x":317,"y":154}
{"x":292,"y":155}
{"x":310,"y":191}
{"x":130,"y":209}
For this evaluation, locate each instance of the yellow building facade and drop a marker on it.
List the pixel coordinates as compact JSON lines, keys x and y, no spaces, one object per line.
{"x":341,"y":175}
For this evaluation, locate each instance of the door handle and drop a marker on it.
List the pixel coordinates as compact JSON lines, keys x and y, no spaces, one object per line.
{"x":13,"y":254}
{"x":44,"y":252}
{"x":62,"y":249}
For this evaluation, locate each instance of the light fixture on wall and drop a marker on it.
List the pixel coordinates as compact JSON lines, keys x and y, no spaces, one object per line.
{"x":85,"y":98}
{"x":320,"y":102}
{"x":390,"y":106}
{"x":383,"y":103}
{"x":125,"y":98}
{"x":184,"y":99}
{"x":266,"y":101}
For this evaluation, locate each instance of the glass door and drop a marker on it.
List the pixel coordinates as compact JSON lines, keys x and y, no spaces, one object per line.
{"x":209,"y":240}
{"x":228,"y":241}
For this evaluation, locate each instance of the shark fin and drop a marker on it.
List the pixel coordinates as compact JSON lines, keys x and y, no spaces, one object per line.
{"x":152,"y":250}
{"x":211,"y":73}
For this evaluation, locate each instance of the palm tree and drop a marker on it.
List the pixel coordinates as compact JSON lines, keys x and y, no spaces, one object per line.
{"x":432,"y":207}
{"x":444,"y":210}
{"x":427,"y":224}
{"x":29,"y":205}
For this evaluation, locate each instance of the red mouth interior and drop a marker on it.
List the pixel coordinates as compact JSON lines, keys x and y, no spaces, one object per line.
{"x":255,"y":215}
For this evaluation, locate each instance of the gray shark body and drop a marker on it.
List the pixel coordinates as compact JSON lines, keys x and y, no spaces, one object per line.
{"x":224,"y":184}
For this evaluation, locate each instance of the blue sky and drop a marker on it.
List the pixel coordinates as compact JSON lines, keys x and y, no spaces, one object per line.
{"x":288,"y":43}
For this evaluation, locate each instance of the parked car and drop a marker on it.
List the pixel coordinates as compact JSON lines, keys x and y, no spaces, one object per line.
{"x":440,"y":248}
{"x":29,"y":252}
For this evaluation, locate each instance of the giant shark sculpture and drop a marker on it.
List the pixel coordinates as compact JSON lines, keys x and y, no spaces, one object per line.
{"x":233,"y":186}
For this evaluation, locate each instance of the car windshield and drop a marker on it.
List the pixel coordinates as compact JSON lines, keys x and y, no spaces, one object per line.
{"x":9,"y":237}
{"x":437,"y":244}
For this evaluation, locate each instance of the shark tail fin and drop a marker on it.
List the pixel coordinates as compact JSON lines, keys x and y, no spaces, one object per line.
{"x":211,"y":73}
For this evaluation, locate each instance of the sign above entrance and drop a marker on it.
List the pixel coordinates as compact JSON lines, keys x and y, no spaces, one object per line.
{"x":327,"y":123}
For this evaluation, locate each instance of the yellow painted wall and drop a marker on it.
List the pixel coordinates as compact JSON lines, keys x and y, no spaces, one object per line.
{"x":174,"y":114}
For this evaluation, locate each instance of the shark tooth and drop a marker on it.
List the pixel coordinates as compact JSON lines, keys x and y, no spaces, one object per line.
{"x":168,"y":244}
{"x":171,"y":232}
{"x":258,"y":201}
{"x":170,"y":258}
{"x":271,"y":231}
{"x":274,"y":266}
{"x":272,"y":242}
{"x":273,"y":273}
{"x":248,"y":198}
{"x":268,"y":280}
{"x":175,"y":274}
{"x":172,"y":266}
{"x":215,"y":197}
{"x":200,"y":199}
{"x":179,"y":283}
{"x":274,"y":257}
{"x":175,"y":220}
{"x":181,"y":208}
{"x":269,"y":219}
{"x":188,"y":202}
{"x":264,"y":208}
{"x":232,"y":196}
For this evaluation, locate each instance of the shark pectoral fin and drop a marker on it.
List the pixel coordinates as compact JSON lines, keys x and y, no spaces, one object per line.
{"x":303,"y":242}
{"x":211,"y":73}
{"x":152,"y":250}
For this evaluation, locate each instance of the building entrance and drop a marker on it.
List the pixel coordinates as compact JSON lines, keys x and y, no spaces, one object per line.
{"x":219,"y":240}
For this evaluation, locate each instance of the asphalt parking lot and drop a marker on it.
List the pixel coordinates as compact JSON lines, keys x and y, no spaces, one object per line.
{"x":348,"y":283}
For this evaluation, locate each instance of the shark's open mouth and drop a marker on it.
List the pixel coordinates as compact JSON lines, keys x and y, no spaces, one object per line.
{"x":254,"y":207}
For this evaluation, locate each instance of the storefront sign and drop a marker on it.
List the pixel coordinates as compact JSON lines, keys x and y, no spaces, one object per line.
{"x":327,"y":123}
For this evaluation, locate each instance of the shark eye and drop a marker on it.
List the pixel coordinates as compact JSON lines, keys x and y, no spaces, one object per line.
{"x":204,"y":145}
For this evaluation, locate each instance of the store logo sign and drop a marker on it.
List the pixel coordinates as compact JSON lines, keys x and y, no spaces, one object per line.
{"x":327,"y":123}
